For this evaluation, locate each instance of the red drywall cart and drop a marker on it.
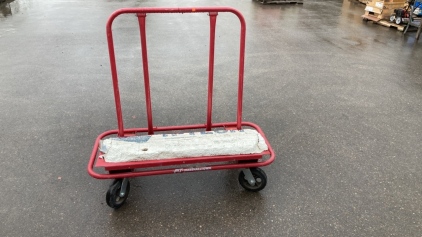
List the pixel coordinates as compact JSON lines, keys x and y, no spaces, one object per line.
{"x":224,"y":141}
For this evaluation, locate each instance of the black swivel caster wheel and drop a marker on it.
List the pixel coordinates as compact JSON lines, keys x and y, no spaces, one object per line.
{"x":114,"y":197}
{"x":260,"y":180}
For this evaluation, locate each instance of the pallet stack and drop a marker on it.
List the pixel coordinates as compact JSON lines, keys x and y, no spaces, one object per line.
{"x":382,"y":9}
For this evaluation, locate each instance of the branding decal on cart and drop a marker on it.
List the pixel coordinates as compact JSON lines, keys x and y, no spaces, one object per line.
{"x":201,"y":133}
{"x":134,"y":139}
{"x":191,"y":169}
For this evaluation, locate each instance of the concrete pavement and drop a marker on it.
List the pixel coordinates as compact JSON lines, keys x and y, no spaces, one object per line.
{"x":339,"y":99}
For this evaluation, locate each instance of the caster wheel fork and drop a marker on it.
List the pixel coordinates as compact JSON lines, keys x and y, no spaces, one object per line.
{"x":253,"y":179}
{"x":117,"y":193}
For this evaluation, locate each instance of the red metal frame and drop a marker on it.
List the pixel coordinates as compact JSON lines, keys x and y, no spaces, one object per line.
{"x":127,"y":169}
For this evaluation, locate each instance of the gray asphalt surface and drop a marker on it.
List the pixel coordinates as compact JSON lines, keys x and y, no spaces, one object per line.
{"x":339,"y":99}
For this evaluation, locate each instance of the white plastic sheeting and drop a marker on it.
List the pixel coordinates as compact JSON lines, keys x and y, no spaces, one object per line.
{"x":194,"y":144}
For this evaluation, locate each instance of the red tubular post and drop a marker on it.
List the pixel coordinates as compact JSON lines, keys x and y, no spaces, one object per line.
{"x":241,"y":70}
{"x":141,"y":20}
{"x":213,"y":19}
{"x":114,"y":78}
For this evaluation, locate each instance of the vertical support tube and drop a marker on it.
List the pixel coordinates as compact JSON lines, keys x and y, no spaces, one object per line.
{"x":418,"y":33}
{"x":115,"y":79}
{"x":141,"y":20}
{"x":241,"y":71}
{"x":213,"y":19}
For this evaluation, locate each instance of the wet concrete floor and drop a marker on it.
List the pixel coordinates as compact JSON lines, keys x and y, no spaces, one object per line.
{"x":338,"y":98}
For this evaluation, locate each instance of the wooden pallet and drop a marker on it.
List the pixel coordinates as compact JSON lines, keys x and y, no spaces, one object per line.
{"x":280,"y":1}
{"x":391,"y":24}
{"x":383,"y":22}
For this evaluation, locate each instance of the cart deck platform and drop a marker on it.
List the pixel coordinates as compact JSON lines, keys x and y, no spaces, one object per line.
{"x":181,"y":145}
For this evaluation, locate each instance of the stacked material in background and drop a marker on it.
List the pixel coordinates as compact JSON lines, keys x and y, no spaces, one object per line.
{"x":382,"y":9}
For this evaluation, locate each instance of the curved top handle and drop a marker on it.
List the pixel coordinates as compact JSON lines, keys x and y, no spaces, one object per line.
{"x":176,"y":10}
